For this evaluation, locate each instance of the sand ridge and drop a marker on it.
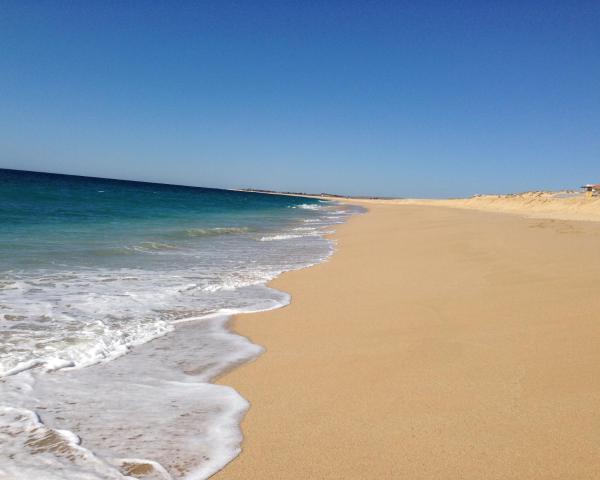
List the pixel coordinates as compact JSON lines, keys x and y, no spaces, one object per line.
{"x":562,"y":205}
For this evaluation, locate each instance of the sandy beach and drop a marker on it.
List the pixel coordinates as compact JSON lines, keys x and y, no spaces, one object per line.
{"x":437,"y":343}
{"x":300,"y":240}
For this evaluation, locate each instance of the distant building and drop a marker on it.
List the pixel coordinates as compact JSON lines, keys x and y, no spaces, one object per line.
{"x":592,"y":190}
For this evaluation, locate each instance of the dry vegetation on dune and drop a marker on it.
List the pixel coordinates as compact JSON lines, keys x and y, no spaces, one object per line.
{"x":563,"y":205}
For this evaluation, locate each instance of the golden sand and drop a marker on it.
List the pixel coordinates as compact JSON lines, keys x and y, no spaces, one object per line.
{"x":437,"y":343}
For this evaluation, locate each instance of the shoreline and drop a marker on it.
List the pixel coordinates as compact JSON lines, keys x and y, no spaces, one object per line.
{"x":176,"y":418}
{"x":438,"y":359}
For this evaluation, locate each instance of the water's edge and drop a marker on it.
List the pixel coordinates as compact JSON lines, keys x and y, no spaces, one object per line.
{"x":229,"y":327}
{"x":171,"y":365}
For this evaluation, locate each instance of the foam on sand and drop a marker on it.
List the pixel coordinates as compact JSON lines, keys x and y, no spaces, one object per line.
{"x":153,"y":407}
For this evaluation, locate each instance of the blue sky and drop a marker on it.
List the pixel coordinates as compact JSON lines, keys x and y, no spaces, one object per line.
{"x":423,"y":98}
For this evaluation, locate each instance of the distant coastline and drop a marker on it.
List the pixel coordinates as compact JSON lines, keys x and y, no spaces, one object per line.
{"x":316,"y":195}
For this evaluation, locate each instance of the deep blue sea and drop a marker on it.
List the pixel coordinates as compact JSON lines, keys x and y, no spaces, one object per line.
{"x":114,"y":300}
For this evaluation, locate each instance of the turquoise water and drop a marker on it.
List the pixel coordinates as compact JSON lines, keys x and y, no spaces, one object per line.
{"x":93,"y":272}
{"x":117,"y":260}
{"x":53,"y":220}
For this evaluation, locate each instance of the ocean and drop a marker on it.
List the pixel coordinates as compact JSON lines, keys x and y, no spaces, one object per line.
{"x":114,"y":303}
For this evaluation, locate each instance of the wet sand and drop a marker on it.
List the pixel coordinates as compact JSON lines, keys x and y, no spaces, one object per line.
{"x":436,"y":343}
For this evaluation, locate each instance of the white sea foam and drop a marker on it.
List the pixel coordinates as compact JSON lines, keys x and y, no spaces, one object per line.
{"x":209,"y":232}
{"x":39,"y":452}
{"x":306,"y":232}
{"x":286,"y":236}
{"x":309,"y":206}
{"x":198,"y":431}
{"x":155,"y":405}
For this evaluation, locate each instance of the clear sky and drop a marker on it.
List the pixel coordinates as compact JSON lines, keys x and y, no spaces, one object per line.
{"x":422,"y":98}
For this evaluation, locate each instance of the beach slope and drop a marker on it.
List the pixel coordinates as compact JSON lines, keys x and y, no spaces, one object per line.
{"x":436,"y":343}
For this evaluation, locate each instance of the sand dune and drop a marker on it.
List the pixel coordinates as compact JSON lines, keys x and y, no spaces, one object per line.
{"x":564,"y":205}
